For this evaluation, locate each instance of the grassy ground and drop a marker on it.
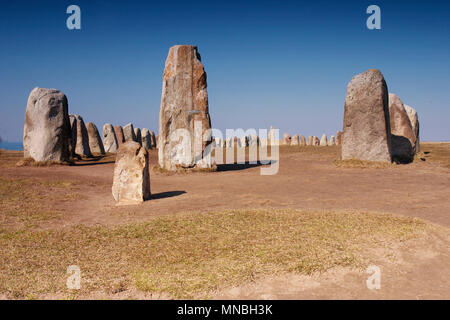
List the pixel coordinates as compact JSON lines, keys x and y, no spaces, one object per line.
{"x":190,"y":255}
{"x":436,"y":152}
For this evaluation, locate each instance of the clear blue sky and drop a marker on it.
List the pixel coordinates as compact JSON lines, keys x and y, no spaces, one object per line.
{"x":281,"y":63}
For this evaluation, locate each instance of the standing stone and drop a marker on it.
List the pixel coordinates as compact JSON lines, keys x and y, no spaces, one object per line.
{"x":146,"y":139}
{"x":153,"y":139}
{"x":95,"y":142}
{"x":323,"y":140}
{"x":414,"y":119}
{"x":119,"y":135}
{"x":295,"y":141}
{"x":302,"y":140}
{"x":184,"y":121}
{"x":332,"y":141}
{"x":316,"y":141}
{"x":310,"y":141}
{"x":244,"y":142}
{"x":338,"y":138}
{"x":229,"y":142}
{"x":46,"y":132}
{"x":402,"y":135}
{"x":271,"y":137}
{"x":80,"y":137}
{"x":109,"y":138}
{"x":138,"y":135}
{"x":366,"y":133}
{"x":131,"y":181}
{"x":128,"y":133}
{"x":218,"y":142}
{"x":287,"y":139}
{"x":253,"y":140}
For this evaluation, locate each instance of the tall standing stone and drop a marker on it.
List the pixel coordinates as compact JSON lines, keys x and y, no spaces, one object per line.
{"x":310,"y":141}
{"x":366,"y":134}
{"x":128,"y":133}
{"x":414,"y":119}
{"x":146,"y":139}
{"x":95,"y":142}
{"x":119,"y":135}
{"x":323,"y":140}
{"x":402,"y":135}
{"x":184,"y":121}
{"x":131,"y":180}
{"x":46,"y":133}
{"x":138,"y":135}
{"x":244,"y":142}
{"x":109,"y":138}
{"x":80,"y":137}
{"x":271,"y":137}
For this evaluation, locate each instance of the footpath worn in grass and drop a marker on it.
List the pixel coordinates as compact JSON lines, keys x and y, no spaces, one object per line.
{"x":192,"y":254}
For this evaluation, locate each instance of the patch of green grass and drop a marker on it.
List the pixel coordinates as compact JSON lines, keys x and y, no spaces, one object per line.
{"x":190,"y":255}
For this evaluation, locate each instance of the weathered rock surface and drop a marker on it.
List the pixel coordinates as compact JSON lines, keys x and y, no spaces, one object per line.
{"x":402,"y":135}
{"x":80,"y":137}
{"x":184,"y":121}
{"x":244,"y":142}
{"x":119,"y":135}
{"x":310,"y":141}
{"x":324,"y":140}
{"x":128,"y":133}
{"x":46,"y":133}
{"x":286,"y":139}
{"x":138,"y":135}
{"x":366,"y":134}
{"x":109,"y":138}
{"x":253,"y":140}
{"x":271,"y":140}
{"x":95,"y":142}
{"x":302,"y":140}
{"x":295,"y":141}
{"x":146,"y":139}
{"x":131,"y":181}
{"x":414,"y":119}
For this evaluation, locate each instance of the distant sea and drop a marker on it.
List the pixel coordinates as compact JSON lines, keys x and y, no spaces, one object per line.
{"x":11,"y":145}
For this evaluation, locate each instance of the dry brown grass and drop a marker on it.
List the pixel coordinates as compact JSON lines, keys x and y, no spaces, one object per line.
{"x":26,"y":203}
{"x":192,"y":254}
{"x":438,"y":152}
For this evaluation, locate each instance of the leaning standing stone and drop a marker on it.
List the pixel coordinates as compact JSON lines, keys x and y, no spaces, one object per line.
{"x":184,"y":121}
{"x":414,"y":119}
{"x":316,"y":141}
{"x":109,"y":138}
{"x":46,"y":133}
{"x":402,"y":135}
{"x":95,"y":142}
{"x":131,"y":181}
{"x":366,"y":133}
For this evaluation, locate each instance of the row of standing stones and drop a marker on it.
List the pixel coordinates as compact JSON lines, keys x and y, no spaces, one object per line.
{"x":377,"y":127}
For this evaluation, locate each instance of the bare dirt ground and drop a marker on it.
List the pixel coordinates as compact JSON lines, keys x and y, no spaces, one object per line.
{"x":307,"y":179}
